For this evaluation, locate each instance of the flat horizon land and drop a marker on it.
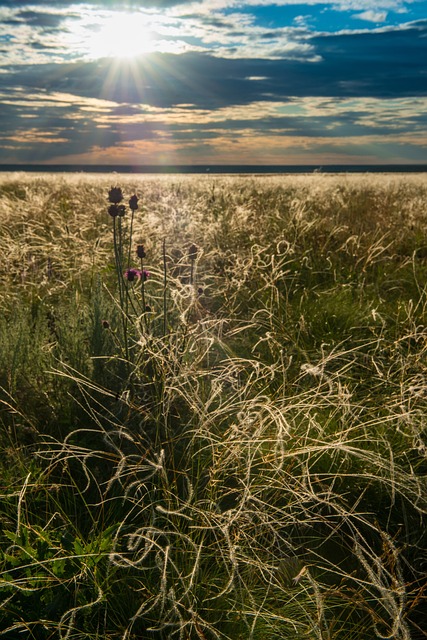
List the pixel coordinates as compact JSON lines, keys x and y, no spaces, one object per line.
{"x":213,"y":405}
{"x":216,"y":168}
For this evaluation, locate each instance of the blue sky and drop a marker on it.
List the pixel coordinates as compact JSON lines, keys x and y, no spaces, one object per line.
{"x":213,"y":82}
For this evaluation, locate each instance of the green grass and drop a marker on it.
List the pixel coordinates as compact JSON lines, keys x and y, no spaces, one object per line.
{"x":235,"y":448}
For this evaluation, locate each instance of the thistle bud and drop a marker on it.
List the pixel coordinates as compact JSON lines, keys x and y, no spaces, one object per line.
{"x":113,"y":210}
{"x":133,"y":203}
{"x":115,"y":195}
{"x":140,"y":251}
{"x":192,"y":252}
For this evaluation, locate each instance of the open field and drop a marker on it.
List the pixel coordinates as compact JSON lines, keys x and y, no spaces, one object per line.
{"x":232,"y":446}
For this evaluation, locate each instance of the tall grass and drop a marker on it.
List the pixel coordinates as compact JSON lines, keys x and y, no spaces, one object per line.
{"x":234,"y":447}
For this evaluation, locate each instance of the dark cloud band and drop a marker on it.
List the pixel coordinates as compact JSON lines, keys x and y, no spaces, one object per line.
{"x":386,"y":64}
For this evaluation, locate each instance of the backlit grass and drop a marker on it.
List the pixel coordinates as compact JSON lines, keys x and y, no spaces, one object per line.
{"x":234,"y":445}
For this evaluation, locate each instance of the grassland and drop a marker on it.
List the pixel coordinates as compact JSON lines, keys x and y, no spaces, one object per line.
{"x":234,"y":447}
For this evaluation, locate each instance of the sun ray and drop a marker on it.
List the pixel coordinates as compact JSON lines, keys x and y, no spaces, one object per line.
{"x":121,"y":34}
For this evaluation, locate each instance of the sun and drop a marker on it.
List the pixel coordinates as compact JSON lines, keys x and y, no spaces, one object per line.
{"x":121,"y":35}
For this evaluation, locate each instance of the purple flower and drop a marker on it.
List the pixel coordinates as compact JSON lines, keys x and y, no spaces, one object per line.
{"x":132,"y":274}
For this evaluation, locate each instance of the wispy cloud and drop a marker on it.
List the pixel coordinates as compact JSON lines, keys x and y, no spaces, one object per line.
{"x":372,"y":16}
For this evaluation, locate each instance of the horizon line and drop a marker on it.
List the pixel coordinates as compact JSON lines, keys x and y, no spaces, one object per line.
{"x":212,"y":168}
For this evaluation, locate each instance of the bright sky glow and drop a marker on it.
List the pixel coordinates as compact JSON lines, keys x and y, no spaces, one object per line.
{"x":213,"y":81}
{"x":119,"y":35}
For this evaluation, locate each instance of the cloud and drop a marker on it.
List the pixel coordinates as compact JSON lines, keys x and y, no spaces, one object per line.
{"x":208,"y":6}
{"x":68,"y":34}
{"x":63,"y":127}
{"x":244,"y":89}
{"x":385,"y":63}
{"x":61,"y":34}
{"x":372,"y":16}
{"x":48,"y":20}
{"x":126,"y":5}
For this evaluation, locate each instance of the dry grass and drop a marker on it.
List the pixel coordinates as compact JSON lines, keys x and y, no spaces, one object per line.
{"x":247,"y":459}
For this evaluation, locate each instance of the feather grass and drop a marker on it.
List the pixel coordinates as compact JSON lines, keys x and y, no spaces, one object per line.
{"x":237,"y":456}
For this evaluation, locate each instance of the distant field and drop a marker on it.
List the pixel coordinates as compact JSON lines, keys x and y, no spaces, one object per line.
{"x":213,"y":407}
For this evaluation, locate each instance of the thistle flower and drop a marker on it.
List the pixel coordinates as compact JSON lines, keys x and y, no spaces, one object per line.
{"x":133,"y":203}
{"x":113,"y":210}
{"x":115,"y":195}
{"x":140,"y":251}
{"x":132,"y":274}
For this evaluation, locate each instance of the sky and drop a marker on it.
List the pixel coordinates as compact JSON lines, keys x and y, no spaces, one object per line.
{"x":187,"y":82}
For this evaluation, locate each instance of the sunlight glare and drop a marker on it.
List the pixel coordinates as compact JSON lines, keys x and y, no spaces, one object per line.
{"x":122,"y":35}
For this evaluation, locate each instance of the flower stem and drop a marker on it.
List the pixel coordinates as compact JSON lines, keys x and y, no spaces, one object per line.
{"x":130,"y":238}
{"x":191,"y":272}
{"x":123,"y":292}
{"x":164,"y":290}
{"x":144,"y":306}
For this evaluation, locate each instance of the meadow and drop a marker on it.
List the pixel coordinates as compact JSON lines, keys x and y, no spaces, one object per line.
{"x":213,"y":407}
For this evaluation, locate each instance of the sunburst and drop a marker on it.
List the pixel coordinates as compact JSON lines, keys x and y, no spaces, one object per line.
{"x":121,"y":35}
